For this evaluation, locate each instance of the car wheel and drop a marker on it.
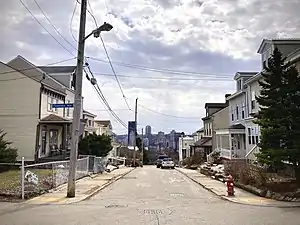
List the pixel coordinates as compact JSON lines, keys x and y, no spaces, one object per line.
{"x":157,"y":166}
{"x":173,"y":167}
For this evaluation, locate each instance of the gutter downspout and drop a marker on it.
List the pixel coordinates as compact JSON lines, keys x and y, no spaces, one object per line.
{"x":38,"y":127}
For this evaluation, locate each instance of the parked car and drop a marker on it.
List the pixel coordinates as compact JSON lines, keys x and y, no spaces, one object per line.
{"x":168,"y":163}
{"x":159,"y":160}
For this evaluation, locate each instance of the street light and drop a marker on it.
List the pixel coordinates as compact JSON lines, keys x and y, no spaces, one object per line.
{"x":78,"y":94}
{"x":104,"y":27}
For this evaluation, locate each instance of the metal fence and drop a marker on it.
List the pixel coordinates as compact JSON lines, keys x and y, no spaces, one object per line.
{"x":100,"y":164}
{"x":39,"y":178}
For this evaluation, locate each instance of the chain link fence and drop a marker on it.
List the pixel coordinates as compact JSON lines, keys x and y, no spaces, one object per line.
{"x":39,"y":178}
{"x":100,"y":164}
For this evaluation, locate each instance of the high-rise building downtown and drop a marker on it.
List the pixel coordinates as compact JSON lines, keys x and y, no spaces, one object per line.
{"x":148,"y":130}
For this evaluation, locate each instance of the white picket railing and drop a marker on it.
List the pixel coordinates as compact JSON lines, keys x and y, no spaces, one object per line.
{"x":251,"y":154}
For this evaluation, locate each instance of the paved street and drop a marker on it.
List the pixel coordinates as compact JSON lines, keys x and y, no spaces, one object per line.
{"x":154,"y":197}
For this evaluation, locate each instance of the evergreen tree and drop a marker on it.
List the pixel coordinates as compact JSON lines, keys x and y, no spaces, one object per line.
{"x":93,"y":144}
{"x":279,"y":114}
{"x":7,"y":154}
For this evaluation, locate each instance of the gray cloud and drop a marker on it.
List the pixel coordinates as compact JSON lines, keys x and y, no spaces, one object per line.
{"x":217,"y":37}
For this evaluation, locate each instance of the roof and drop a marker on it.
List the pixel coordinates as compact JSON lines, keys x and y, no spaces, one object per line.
{"x":237,"y":126}
{"x":293,"y":56}
{"x":244,"y":74}
{"x":27,"y":68}
{"x":89,"y":113}
{"x":277,"y":41}
{"x":52,"y":118}
{"x":58,"y":69}
{"x":215,"y":105}
{"x":200,"y":130}
{"x":202,"y":141}
{"x":103,"y":122}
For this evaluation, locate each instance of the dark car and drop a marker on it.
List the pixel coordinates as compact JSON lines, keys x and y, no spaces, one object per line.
{"x":160,"y":159}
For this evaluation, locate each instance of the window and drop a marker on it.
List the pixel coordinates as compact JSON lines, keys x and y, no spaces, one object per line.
{"x":68,"y":109}
{"x":243,"y":110}
{"x":237,"y":112}
{"x":253,"y":135}
{"x":50,"y":102}
{"x":90,"y":123}
{"x":232,"y":114}
{"x":249,"y":136}
{"x":253,"y":100}
{"x":56,"y":102}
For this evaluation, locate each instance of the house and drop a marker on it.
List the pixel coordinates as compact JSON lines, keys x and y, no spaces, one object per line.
{"x":89,"y":127}
{"x":34,"y":127}
{"x":212,"y":121}
{"x":243,"y":134}
{"x":230,"y":140}
{"x":103,"y":127}
{"x":290,"y":48}
{"x":184,"y":147}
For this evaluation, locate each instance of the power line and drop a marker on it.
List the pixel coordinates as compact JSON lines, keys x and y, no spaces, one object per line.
{"x":71,"y":21}
{"x":114,"y":72}
{"x":45,"y":28}
{"x":207,"y":78}
{"x":163,"y":114}
{"x":103,"y":99}
{"x":107,"y":56}
{"x":153,"y":69}
{"x":57,"y":31}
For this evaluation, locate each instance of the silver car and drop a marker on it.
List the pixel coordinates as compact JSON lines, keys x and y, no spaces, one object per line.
{"x":167,"y":163}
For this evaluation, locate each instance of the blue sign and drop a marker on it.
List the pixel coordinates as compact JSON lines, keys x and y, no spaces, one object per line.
{"x":56,"y":106}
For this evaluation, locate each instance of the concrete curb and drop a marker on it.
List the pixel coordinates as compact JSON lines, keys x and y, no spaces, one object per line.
{"x":223,"y":197}
{"x":114,"y":179}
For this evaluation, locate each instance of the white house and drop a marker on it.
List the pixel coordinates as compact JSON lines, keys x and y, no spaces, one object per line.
{"x":184,"y":147}
{"x":89,"y":120}
{"x":243,"y":133}
{"x":27,"y":93}
{"x":103,"y":127}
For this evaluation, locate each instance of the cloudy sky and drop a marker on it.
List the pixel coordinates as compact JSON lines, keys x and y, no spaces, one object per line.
{"x":174,"y":55}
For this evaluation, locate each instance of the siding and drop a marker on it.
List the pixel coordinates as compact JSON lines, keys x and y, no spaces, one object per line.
{"x":19,"y":111}
{"x":220,"y":121}
{"x":233,"y":103}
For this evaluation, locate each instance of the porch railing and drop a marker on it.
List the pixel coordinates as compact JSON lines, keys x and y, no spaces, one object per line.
{"x":251,"y":154}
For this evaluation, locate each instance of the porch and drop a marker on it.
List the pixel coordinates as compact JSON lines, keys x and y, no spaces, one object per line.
{"x":231,"y":142}
{"x":53,"y":138}
{"x":202,"y":146}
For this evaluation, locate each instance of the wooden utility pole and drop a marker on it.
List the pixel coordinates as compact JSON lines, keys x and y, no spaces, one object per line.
{"x":135,"y":133}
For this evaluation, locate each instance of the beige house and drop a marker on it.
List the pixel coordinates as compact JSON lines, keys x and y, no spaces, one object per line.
{"x":89,"y":120}
{"x":103,"y":127}
{"x":216,"y":118}
{"x":36,"y":128}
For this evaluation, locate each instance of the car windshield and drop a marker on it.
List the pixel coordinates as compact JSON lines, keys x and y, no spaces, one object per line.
{"x":163,"y":157}
{"x":167,"y":159}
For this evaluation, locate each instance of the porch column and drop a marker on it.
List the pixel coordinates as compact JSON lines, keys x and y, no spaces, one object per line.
{"x":230,"y":144}
{"x":217,"y":139}
{"x":221,"y":145}
{"x":64,"y":136}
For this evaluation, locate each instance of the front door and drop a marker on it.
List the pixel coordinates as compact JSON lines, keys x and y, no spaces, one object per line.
{"x":44,"y":141}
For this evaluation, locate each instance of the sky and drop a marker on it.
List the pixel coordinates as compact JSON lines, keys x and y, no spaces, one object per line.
{"x":173,"y":55}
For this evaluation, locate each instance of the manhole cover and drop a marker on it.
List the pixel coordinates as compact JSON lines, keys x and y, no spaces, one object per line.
{"x":115,"y":206}
{"x":153,"y":211}
{"x":176,"y":194}
{"x":128,"y":178}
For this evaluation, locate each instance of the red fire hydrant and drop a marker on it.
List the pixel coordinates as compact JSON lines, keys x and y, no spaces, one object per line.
{"x":230,"y":185}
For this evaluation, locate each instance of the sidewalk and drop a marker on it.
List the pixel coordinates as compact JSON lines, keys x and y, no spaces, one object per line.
{"x":241,"y":196}
{"x":85,"y":188}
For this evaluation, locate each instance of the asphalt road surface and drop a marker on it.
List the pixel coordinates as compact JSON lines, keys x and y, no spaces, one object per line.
{"x":154,"y":197}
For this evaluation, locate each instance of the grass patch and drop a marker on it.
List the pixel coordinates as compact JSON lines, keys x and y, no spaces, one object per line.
{"x":10,"y":181}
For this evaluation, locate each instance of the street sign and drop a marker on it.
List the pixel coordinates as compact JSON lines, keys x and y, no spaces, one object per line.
{"x":69,"y":105}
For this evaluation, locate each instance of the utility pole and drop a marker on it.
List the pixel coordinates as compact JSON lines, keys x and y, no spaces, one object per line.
{"x":135,"y":132}
{"x":142,"y":146}
{"x":77,"y":102}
